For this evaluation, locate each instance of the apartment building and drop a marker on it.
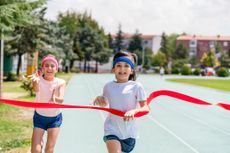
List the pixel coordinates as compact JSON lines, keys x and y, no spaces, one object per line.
{"x":198,"y":45}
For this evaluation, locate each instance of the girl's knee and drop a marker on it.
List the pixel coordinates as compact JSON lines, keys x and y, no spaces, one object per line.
{"x":49,"y":149}
{"x":36,"y":149}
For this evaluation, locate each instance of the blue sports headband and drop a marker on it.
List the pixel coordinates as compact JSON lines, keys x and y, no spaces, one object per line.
{"x":124,"y":59}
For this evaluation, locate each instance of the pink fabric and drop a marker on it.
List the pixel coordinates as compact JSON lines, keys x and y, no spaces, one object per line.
{"x":50,"y":58}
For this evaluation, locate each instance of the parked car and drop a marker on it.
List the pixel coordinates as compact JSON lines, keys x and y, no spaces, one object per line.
{"x":209,"y":71}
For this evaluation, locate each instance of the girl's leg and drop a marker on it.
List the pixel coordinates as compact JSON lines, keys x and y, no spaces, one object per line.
{"x":52,"y":134}
{"x":36,"y":145}
{"x":113,"y":146}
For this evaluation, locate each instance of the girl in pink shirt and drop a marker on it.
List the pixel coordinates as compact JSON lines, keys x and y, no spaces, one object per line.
{"x":49,"y":89}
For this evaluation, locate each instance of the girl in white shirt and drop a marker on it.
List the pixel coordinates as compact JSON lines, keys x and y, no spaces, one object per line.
{"x":125,"y":95}
{"x":49,"y":89}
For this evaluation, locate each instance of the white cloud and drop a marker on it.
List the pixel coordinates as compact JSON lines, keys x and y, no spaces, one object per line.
{"x":205,"y":17}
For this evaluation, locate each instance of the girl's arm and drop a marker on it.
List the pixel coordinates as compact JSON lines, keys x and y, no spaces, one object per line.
{"x":35,"y":81}
{"x":60,"y":97}
{"x":143,"y":108}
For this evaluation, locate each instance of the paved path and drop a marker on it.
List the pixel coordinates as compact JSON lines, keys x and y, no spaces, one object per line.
{"x":173,"y":126}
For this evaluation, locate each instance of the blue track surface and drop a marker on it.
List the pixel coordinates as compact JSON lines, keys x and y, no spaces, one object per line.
{"x":173,"y":126}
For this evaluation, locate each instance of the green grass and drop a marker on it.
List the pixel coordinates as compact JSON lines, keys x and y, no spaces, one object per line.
{"x":16,"y":129}
{"x":218,"y":84}
{"x":65,"y":76}
{"x":12,"y":87}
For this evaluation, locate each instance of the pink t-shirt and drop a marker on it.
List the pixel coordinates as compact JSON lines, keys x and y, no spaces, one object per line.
{"x":46,"y":89}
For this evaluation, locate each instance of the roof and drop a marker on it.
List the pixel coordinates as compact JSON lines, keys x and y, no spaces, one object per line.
{"x":205,"y":38}
{"x":129,"y":36}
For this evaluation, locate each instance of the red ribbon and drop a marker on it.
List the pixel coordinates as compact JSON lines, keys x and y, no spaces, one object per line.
{"x":153,"y":95}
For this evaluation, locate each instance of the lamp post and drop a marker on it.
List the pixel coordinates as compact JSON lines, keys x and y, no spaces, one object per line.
{"x":143,"y":54}
{"x":1,"y":62}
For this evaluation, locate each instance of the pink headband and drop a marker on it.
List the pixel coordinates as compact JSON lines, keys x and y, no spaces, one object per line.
{"x":50,"y":58}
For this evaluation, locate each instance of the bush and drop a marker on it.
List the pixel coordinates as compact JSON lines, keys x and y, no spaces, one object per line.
{"x":75,"y":70}
{"x":186,"y":70}
{"x":175,"y":70}
{"x":197,"y":71}
{"x":222,"y":72}
{"x":11,"y":77}
{"x":27,"y":85}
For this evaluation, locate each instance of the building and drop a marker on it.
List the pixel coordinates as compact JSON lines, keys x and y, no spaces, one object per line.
{"x":149,"y":41}
{"x":11,"y":64}
{"x":198,"y":45}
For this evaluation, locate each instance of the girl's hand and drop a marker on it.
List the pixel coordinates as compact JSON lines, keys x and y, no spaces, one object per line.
{"x":129,"y":115}
{"x":35,"y":81}
{"x":100,"y":101}
{"x":34,"y":78}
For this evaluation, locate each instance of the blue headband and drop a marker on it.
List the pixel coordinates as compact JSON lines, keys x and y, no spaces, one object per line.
{"x":124,"y":59}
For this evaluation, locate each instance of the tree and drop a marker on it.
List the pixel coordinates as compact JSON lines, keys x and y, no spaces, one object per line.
{"x":119,"y":40}
{"x":102,"y":50}
{"x":110,"y":41}
{"x":69,"y":20}
{"x":16,"y":13}
{"x":164,"y":45}
{"x":159,"y":59}
{"x":12,"y":14}
{"x":147,"y":58}
{"x":218,"y":47}
{"x":136,"y":42}
{"x":181,"y":52}
{"x":209,"y":59}
{"x":92,"y":41}
{"x":165,"y":49}
{"x":89,"y":39}
{"x":29,"y":37}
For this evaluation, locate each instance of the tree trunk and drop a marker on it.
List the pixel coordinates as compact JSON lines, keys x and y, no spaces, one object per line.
{"x":85,"y":65}
{"x":88,"y":67}
{"x":71,"y":64}
{"x":80,"y":65}
{"x":96,"y":68}
{"x":19,"y":64}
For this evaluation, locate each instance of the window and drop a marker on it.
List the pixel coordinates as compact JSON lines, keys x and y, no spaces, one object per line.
{"x":193,"y":43}
{"x":225,"y":44}
{"x":212,"y":44}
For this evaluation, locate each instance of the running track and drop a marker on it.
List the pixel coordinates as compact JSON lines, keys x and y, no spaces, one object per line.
{"x":173,"y":126}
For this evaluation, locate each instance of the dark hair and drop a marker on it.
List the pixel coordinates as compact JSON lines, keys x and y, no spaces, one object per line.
{"x":133,"y":58}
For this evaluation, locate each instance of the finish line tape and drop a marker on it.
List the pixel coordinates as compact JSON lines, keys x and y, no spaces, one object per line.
{"x":152,"y":96}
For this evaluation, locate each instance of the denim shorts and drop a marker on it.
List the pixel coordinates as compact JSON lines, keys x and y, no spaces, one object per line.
{"x":45,"y":122}
{"x":127,"y":145}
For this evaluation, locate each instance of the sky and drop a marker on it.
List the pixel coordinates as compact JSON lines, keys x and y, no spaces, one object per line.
{"x":199,"y":17}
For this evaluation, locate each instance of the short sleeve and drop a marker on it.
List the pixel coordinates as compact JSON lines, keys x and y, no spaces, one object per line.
{"x":141,"y":95}
{"x":61,"y":82}
{"x":105,"y":91}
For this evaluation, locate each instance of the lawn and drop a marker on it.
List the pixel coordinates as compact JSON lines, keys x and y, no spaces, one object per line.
{"x":219,"y":84}
{"x":15,"y":122}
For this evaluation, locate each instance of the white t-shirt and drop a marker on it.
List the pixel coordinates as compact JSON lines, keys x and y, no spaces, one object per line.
{"x":44,"y":94}
{"x":123,"y":97}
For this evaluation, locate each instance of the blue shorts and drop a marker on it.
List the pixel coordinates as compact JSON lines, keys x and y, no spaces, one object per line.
{"x":127,"y":145}
{"x":45,"y":122}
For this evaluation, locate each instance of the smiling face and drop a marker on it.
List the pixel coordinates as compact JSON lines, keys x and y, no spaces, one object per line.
{"x":49,"y":69}
{"x":122,"y":71}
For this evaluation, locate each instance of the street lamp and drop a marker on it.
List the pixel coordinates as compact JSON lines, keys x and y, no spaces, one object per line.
{"x":143,"y":53}
{"x":143,"y":56}
{"x":1,"y":62}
